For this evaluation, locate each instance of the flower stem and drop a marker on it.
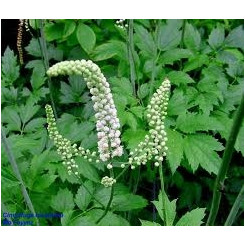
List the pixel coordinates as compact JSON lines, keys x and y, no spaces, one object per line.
{"x":109,"y":202}
{"x":43,"y":46}
{"x":163,"y":195}
{"x":131,"y":54}
{"x":219,"y":182}
{"x":235,"y":208}
{"x":17,"y":174}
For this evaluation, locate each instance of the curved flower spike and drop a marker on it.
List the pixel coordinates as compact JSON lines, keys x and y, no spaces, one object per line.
{"x":109,"y":143}
{"x":154,"y":144}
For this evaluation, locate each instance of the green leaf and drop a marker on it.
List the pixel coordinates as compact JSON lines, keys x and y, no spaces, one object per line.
{"x":235,"y":38}
{"x":192,"y":38}
{"x":201,"y":149}
{"x":11,"y":117}
{"x":33,"y":48}
{"x":43,"y":182}
{"x":54,"y":31}
{"x":216,"y":37}
{"x":131,"y":120}
{"x":137,"y":111}
{"x":10,"y":69}
{"x":63,"y":201}
{"x":148,"y":223}
{"x":192,"y":218}
{"x":170,"y":56}
{"x":239,"y":145}
{"x":66,"y":218}
{"x":34,"y":124}
{"x":175,"y":149}
{"x":196,"y":62}
{"x":133,"y":138}
{"x":70,"y":26}
{"x":144,"y":90}
{"x":108,"y":50}
{"x":168,"y":37}
{"x":177,"y":103}
{"x":28,"y":111}
{"x":92,"y":216}
{"x":83,"y":198}
{"x":190,"y":123}
{"x":86,"y":37}
{"x":179,"y":77}
{"x":144,"y":41}
{"x":87,"y":170}
{"x":170,"y":208}
{"x":122,"y":200}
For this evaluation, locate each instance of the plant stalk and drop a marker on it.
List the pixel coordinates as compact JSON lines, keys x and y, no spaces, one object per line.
{"x":18,"y":175}
{"x":43,"y":46}
{"x":163,"y":194}
{"x":235,"y":208}
{"x":131,"y":54}
{"x":219,"y":182}
{"x":110,"y":200}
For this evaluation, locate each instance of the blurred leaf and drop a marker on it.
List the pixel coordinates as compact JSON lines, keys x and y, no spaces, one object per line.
{"x":9,"y":68}
{"x":192,"y":38}
{"x":63,"y":201}
{"x":86,"y":37}
{"x":133,"y":138}
{"x":236,"y":38}
{"x":216,"y":38}
{"x":175,"y":149}
{"x":192,"y":218}
{"x":148,"y":223}
{"x":201,"y":149}
{"x":179,"y":77}
{"x":83,"y":198}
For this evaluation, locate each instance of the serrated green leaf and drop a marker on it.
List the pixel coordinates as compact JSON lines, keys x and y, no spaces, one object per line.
{"x":239,"y":145}
{"x":108,"y":50}
{"x":175,"y":149}
{"x":34,"y":124}
{"x":28,"y":111}
{"x":43,"y":182}
{"x":87,"y":170}
{"x":190,"y":123}
{"x":63,"y":201}
{"x":196,"y":62}
{"x":83,"y":197}
{"x":177,"y":103}
{"x":168,"y":36}
{"x":192,"y":218}
{"x":170,"y":208}
{"x":131,"y":120}
{"x":33,"y":48}
{"x":54,"y":31}
{"x":192,"y":38}
{"x":201,"y":149}
{"x":11,"y":117}
{"x":137,"y":111}
{"x":170,"y":56}
{"x":236,"y":38}
{"x":92,"y":216}
{"x":9,"y":68}
{"x":216,"y":37}
{"x":148,"y":223}
{"x":179,"y":77}
{"x":144,"y":90}
{"x":145,"y":41}
{"x":133,"y":138}
{"x":86,"y":37}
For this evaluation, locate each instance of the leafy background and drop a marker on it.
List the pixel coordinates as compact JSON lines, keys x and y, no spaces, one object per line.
{"x":203,"y":59}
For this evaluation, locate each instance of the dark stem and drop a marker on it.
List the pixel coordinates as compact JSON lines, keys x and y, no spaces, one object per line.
{"x":131,"y":54}
{"x":219,"y":182}
{"x":17,"y":174}
{"x":43,"y":46}
{"x":109,"y":202}
{"x":235,"y":208}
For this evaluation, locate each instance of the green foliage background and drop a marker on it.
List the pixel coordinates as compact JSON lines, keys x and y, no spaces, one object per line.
{"x":204,"y":61}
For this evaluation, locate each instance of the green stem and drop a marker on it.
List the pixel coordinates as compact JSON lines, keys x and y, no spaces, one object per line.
{"x":131,"y":54}
{"x":219,"y":182}
{"x":109,"y":202}
{"x":163,"y":195}
{"x":122,"y":172}
{"x":235,"y":208}
{"x":43,"y":46}
{"x":17,"y":174}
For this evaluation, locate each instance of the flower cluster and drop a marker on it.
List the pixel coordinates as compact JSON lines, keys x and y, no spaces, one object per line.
{"x":65,"y":148}
{"x":19,"y":41}
{"x":121,"y":24}
{"x":109,"y":143}
{"x":107,"y":181}
{"x":154,"y":144}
